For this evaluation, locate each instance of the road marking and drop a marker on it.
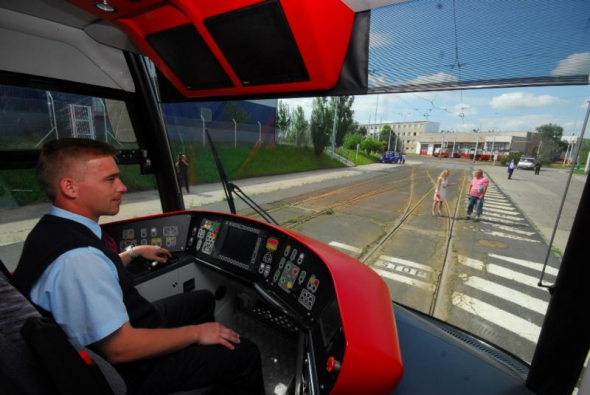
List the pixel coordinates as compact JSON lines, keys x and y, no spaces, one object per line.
{"x":404,"y":279}
{"x":495,"y":201}
{"x":473,"y":263}
{"x":528,"y":264}
{"x":499,"y":207}
{"x":504,"y":221}
{"x":513,"y":229}
{"x":405,"y":262}
{"x":403,"y":269}
{"x":500,"y":210}
{"x":345,"y":247}
{"x":509,"y":294}
{"x":509,"y":217}
{"x":508,"y":236}
{"x":508,"y":321}
{"x":499,"y":271}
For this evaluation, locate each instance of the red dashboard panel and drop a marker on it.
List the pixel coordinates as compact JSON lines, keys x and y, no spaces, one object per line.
{"x":344,"y":305}
{"x":309,"y":36}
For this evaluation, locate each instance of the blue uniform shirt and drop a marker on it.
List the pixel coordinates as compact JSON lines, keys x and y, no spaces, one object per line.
{"x":81,"y":290}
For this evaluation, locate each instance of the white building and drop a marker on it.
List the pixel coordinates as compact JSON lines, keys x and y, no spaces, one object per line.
{"x":408,"y":132}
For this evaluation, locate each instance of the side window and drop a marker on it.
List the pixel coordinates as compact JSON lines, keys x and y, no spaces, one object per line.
{"x":31,"y":117}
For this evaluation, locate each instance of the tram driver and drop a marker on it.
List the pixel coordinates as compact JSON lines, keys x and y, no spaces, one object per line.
{"x":65,"y":269}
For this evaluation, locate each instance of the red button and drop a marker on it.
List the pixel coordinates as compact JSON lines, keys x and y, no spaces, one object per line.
{"x":331,"y":364}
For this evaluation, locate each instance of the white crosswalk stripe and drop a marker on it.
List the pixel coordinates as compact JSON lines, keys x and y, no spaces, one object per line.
{"x":508,"y":236}
{"x":497,"y":206}
{"x":504,"y":221}
{"x":504,"y":319}
{"x":502,"y":216}
{"x":524,"y":263}
{"x":512,"y":229}
{"x":508,"y":294}
{"x":500,"y":271}
{"x":488,"y":207}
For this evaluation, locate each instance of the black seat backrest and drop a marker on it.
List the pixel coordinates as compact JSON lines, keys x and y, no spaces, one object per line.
{"x":28,"y":364}
{"x":4,"y":269}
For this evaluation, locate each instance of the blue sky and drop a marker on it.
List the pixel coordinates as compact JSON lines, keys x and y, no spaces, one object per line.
{"x":511,"y":110}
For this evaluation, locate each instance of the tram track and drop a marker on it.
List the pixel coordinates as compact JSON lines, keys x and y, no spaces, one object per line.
{"x":386,"y":188}
{"x":413,"y":205}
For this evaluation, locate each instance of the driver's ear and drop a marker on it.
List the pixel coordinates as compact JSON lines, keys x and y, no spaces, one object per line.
{"x":68,"y":187}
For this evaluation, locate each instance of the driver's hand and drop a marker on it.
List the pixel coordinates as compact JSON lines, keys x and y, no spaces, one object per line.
{"x":153,"y":253}
{"x":215,"y":333}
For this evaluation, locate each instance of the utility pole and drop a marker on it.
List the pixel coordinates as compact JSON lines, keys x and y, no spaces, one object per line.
{"x":334,"y":126}
{"x":476,"y":144}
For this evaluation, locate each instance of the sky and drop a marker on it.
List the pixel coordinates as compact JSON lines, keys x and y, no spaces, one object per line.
{"x":508,"y":110}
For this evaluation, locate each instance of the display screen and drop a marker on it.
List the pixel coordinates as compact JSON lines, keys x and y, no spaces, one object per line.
{"x":239,"y":244}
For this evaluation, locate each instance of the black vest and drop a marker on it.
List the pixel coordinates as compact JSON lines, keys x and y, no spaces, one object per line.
{"x":52,"y":237}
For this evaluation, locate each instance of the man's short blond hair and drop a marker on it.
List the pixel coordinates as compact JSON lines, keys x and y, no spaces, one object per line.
{"x":58,"y":157}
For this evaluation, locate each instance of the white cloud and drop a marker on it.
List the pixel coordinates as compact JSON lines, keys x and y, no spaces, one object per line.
{"x":521,"y":123}
{"x":521,"y":100}
{"x":433,"y":79}
{"x":576,"y":64}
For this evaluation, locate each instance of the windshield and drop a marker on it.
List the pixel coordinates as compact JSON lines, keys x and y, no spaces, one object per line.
{"x":479,"y":273}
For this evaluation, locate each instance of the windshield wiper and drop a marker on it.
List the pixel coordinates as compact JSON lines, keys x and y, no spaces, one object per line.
{"x":231,"y":188}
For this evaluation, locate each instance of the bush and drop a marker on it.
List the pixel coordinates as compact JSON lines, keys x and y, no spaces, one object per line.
{"x":370,"y":145}
{"x":351,"y":140}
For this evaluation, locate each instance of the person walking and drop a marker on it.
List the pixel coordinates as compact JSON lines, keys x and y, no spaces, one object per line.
{"x":440,"y":193}
{"x":182,"y":166}
{"x":511,"y":167}
{"x":477,"y":190}
{"x":537,"y":167}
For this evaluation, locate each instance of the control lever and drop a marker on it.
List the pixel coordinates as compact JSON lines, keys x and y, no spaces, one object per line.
{"x":269,"y":298}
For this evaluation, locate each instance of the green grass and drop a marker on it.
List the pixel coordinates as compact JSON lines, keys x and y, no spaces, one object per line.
{"x":362,"y":159}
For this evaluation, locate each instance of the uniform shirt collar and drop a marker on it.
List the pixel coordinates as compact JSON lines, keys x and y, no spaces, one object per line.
{"x":90,"y":224}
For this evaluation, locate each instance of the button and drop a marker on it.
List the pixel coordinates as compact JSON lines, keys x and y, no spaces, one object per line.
{"x":294,"y":254}
{"x":332,"y":365}
{"x":287,"y":250}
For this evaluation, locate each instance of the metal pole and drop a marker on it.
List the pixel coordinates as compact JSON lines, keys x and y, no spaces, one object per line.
{"x":389,"y":141}
{"x":476,"y":144}
{"x":235,"y":133}
{"x":567,"y":185}
{"x":454,"y":142}
{"x":376,"y":105}
{"x":493,"y":142}
{"x":334,"y":125}
{"x":566,"y":152}
{"x":259,"y":132}
{"x":203,"y":119}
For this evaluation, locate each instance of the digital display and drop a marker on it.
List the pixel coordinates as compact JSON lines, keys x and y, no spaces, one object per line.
{"x":240,"y":245}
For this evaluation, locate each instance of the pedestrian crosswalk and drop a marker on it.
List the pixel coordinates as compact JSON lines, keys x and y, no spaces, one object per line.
{"x":486,"y":289}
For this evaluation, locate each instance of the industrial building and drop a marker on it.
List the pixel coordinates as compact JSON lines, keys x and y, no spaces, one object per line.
{"x":465,"y":144}
{"x":409,"y":133}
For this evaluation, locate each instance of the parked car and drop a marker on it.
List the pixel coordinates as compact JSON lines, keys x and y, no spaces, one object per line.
{"x":391,"y":157}
{"x":526,"y":163}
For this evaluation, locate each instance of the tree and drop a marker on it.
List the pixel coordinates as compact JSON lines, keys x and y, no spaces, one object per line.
{"x":283,"y":120}
{"x":363,"y":131}
{"x":234,"y":112}
{"x":321,"y":124}
{"x":299,"y":125}
{"x":550,"y":142}
{"x":345,"y":116}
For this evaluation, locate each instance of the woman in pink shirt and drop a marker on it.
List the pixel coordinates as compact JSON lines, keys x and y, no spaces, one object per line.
{"x":477,"y":190}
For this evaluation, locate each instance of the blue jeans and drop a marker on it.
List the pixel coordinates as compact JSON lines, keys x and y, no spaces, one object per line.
{"x":473,"y":200}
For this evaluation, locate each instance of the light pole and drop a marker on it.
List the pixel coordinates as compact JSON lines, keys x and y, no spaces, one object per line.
{"x":454,"y":142}
{"x":476,"y":144}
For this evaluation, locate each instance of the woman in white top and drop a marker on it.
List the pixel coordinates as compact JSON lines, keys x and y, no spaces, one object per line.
{"x":440,"y":194}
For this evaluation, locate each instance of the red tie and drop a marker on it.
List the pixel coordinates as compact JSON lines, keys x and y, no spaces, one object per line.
{"x":110,"y":242}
